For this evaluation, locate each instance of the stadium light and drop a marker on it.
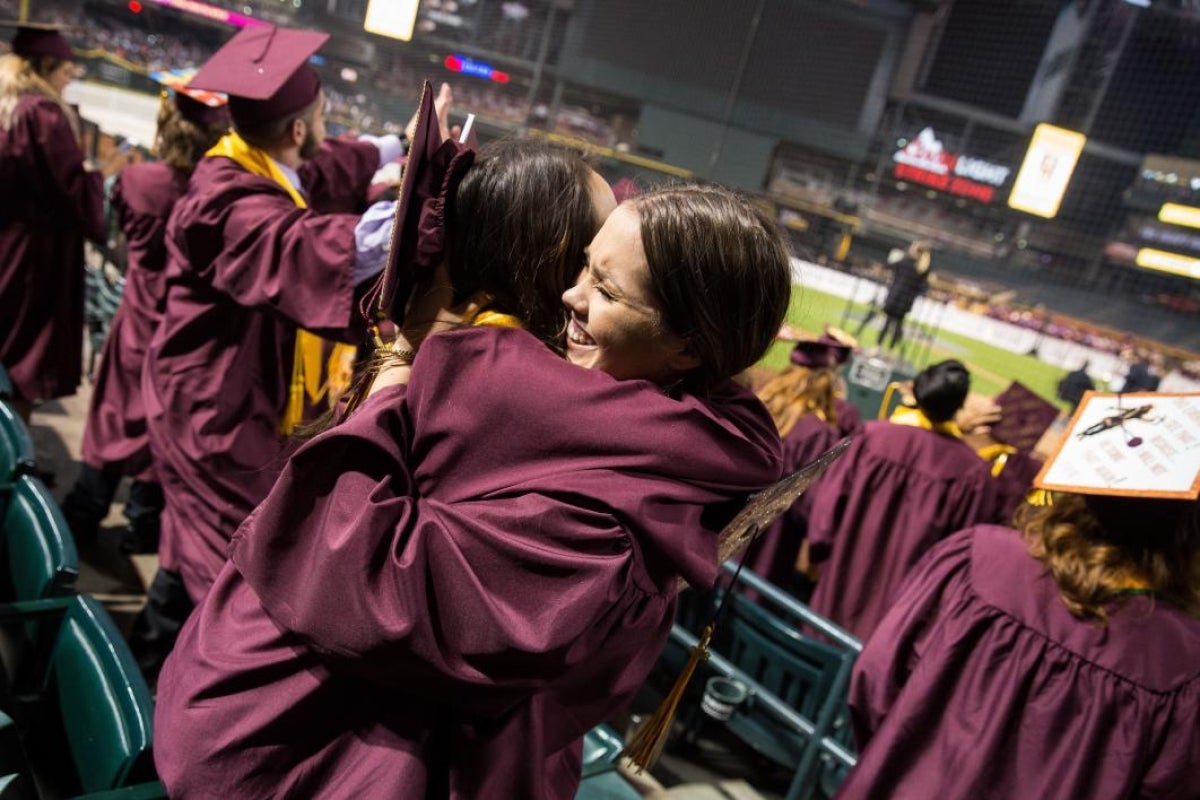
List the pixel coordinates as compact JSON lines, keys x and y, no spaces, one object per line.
{"x":1049,"y":163}
{"x":1176,"y":214}
{"x":1163,"y":261}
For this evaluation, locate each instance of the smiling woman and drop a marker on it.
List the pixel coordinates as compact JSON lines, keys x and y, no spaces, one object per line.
{"x":503,"y":574}
{"x":616,"y":324}
{"x":667,"y":279}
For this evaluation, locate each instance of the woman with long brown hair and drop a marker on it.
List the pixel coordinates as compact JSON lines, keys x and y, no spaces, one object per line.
{"x":43,"y":224}
{"x":115,"y":441}
{"x":1060,"y":659}
{"x":807,"y":402}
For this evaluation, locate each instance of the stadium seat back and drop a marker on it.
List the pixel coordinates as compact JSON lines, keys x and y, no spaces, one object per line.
{"x":39,"y":555}
{"x":101,"y":699}
{"x":16,"y":446}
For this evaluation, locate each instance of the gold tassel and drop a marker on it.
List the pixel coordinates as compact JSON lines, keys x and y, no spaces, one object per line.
{"x":1040,"y":498}
{"x":647,"y":742}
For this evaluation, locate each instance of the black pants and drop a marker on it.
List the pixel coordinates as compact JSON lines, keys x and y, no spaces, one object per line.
{"x":895,"y":325}
{"x":157,"y":626}
{"x":90,"y":498}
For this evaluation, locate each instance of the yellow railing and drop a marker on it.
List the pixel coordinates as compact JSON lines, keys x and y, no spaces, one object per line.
{"x":608,"y":152}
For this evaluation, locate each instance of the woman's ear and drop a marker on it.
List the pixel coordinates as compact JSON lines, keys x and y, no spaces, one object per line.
{"x":684,"y":359}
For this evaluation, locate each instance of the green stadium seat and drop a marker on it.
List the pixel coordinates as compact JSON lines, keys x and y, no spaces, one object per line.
{"x":16,"y":447}
{"x":39,"y":556}
{"x":601,"y":747}
{"x":601,"y":781}
{"x":795,"y":711}
{"x":6,"y":387}
{"x":87,"y":727}
{"x":605,"y":786}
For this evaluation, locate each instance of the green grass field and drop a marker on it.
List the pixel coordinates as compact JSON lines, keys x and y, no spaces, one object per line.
{"x":992,"y":369}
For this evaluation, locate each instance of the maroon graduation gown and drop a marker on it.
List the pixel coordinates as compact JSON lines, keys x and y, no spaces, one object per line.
{"x":774,"y":556}
{"x":115,"y":437}
{"x":442,"y":594}
{"x":1016,"y":479}
{"x":896,"y":492}
{"x":979,"y":683}
{"x":48,"y":204}
{"x":245,"y":269}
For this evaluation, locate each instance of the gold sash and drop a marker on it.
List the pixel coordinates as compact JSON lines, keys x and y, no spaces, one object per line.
{"x":314,"y":377}
{"x":997,"y":455}
{"x":915,"y":418}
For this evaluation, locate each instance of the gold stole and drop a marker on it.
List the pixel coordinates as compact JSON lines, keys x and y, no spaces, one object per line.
{"x":314,"y":376}
{"x":496,"y":319}
{"x":915,"y":418}
{"x":997,"y":455}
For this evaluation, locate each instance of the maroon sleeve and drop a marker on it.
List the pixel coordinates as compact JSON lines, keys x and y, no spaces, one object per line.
{"x":83,"y":191}
{"x":470,"y":530}
{"x":338,"y":177}
{"x":296,"y":261}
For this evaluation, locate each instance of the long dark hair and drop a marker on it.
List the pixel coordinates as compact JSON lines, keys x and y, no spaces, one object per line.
{"x":517,"y":228}
{"x":721,"y":273}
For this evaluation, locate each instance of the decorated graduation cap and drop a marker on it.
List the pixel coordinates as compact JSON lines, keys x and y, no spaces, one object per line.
{"x":265,"y":72}
{"x":201,"y":106}
{"x":431,"y":176}
{"x":1024,"y":417}
{"x":1137,"y":445}
{"x":37,"y":39}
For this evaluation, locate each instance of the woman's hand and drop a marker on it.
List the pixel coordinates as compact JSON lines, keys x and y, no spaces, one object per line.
{"x":441,"y":108}
{"x":429,"y":311}
{"x":978,"y":415}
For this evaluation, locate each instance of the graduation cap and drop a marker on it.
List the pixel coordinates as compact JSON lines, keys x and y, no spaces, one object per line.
{"x":36,"y":39}
{"x":759,"y":512}
{"x":1024,"y":417}
{"x":431,"y":176}
{"x":826,"y":351}
{"x":1137,"y":445}
{"x":265,"y":72}
{"x":201,"y":106}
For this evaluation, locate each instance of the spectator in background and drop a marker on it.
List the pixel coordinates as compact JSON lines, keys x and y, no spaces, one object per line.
{"x":1074,"y":385}
{"x":51,"y":198}
{"x":902,"y":486}
{"x":1141,"y":376}
{"x":910,"y":277}
{"x":115,"y":440}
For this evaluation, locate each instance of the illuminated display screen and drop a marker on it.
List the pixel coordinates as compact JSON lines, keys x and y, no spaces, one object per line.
{"x":469,"y":66}
{"x":395,"y":19}
{"x":1046,"y":171}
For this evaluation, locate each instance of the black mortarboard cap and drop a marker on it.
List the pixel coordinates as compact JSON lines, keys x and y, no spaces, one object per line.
{"x":35,"y":39}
